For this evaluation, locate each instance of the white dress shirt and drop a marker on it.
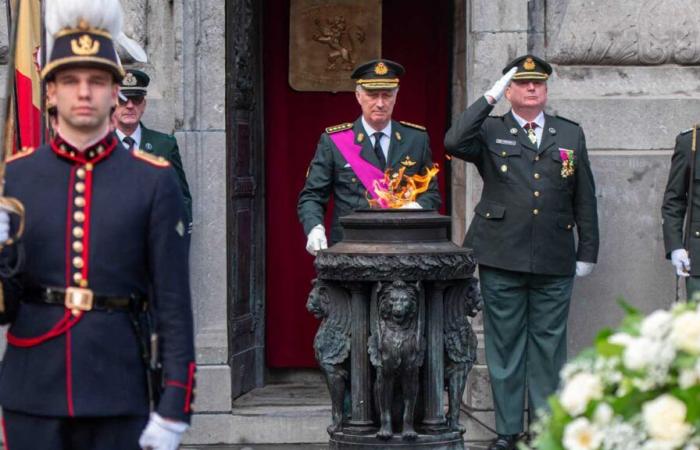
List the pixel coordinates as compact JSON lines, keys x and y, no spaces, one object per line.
{"x":386,"y":138}
{"x":136,"y":136}
{"x":539,"y":120}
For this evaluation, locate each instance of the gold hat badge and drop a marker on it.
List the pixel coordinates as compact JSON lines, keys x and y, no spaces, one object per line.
{"x":129,"y":80}
{"x":529,"y":64}
{"x":380,"y":69}
{"x":85,"y":46}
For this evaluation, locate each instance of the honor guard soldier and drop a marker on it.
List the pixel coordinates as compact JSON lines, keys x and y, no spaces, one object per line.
{"x":538,"y":193}
{"x":103,"y":228}
{"x":134,"y":135}
{"x":348,"y":154}
{"x":680,"y":203}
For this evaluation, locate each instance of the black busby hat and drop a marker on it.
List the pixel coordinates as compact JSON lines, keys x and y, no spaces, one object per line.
{"x":530,"y":67}
{"x":134,"y":83}
{"x":81,"y":35}
{"x":378,"y":74}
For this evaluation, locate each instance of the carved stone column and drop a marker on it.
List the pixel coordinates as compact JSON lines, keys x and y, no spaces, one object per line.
{"x":361,"y":421}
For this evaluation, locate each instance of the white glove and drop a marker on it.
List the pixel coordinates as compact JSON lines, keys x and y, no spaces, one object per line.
{"x":584,"y":268}
{"x":316,"y":240}
{"x":161,"y":434}
{"x":681,"y":261}
{"x":411,"y":205}
{"x":4,"y":226}
{"x":494,"y":94}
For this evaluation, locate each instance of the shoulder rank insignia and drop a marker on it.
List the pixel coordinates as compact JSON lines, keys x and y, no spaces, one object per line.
{"x":691,"y":129}
{"x":567,"y":120}
{"x":407,"y":162}
{"x":25,"y":151}
{"x":154,"y":160}
{"x":341,"y":127}
{"x":412,"y":125}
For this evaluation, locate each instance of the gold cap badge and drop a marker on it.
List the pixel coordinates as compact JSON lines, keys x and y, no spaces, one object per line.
{"x":380,"y":69}
{"x":529,"y":64}
{"x":85,"y":46}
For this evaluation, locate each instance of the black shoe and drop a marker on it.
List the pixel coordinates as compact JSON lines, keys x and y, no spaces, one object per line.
{"x":504,"y":442}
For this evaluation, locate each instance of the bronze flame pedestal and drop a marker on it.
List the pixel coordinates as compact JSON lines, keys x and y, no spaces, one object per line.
{"x":394,"y":296}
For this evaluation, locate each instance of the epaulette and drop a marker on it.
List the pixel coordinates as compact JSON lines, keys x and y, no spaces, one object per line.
{"x":567,"y":120}
{"x":154,"y":160}
{"x":25,"y":151}
{"x":341,"y":127}
{"x":690,"y":129}
{"x":412,"y":125}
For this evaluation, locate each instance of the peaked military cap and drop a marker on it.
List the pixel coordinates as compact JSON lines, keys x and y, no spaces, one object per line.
{"x":530,"y":67}
{"x":134,"y":83}
{"x":378,"y":74}
{"x":83,"y":46}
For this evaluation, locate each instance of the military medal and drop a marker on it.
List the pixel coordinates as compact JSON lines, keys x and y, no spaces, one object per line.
{"x":567,"y":162}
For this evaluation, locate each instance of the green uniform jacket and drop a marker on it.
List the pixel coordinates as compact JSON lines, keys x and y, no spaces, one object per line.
{"x":675,"y":202}
{"x":528,"y":211}
{"x":329,"y":173}
{"x":165,"y":145}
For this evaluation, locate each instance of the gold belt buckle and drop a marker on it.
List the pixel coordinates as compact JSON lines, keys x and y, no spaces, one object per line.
{"x":78,"y":299}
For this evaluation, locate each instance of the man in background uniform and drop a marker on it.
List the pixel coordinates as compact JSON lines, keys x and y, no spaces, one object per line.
{"x":538,"y":191}
{"x":382,"y":143}
{"x":133,"y":134}
{"x":104,"y":226}
{"x":674,"y":211}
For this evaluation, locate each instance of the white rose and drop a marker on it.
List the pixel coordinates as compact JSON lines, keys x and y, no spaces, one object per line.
{"x":657,"y":324}
{"x":664,"y":420}
{"x":687,"y":378}
{"x":685,"y":332}
{"x":603,"y":414}
{"x":579,"y":391}
{"x":637,"y":355}
{"x":622,"y":339}
{"x":581,"y":435}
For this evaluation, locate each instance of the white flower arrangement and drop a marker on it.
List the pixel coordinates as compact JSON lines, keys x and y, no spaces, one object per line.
{"x":637,"y":389}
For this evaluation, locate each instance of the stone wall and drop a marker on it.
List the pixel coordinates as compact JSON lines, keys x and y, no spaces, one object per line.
{"x":628,"y":74}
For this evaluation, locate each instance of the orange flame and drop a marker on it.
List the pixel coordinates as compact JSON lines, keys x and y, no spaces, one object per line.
{"x":396,"y":190}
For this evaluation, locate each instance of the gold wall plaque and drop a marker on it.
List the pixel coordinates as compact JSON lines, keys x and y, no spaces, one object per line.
{"x":328,"y":38}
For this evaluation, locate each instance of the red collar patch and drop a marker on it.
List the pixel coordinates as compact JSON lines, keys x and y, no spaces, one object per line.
{"x":93,"y":154}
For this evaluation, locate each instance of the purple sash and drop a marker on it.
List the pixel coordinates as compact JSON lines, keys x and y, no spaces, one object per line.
{"x":366,"y":172}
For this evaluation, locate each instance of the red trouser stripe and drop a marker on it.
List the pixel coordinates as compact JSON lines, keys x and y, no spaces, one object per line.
{"x":4,"y":435}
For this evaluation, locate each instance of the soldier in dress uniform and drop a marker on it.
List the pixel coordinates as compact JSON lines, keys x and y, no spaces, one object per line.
{"x":133,"y":134}
{"x":103,"y":227}
{"x":674,"y":211}
{"x":375,"y":143}
{"x":538,"y":192}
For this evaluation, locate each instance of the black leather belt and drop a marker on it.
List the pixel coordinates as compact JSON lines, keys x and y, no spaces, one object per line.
{"x":86,"y":299}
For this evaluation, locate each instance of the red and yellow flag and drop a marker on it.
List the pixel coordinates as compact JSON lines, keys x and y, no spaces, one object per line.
{"x":27,"y":79}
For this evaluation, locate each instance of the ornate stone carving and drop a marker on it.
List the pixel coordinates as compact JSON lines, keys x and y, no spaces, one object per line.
{"x":461,"y":301}
{"x":331,"y":304}
{"x":596,"y":32}
{"x":430,"y":266}
{"x":396,"y":349}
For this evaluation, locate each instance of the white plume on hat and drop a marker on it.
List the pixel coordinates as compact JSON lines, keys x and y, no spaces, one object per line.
{"x":101,"y":14}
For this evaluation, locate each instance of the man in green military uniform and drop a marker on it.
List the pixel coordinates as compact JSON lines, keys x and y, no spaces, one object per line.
{"x":135,"y":136}
{"x":381,"y":144}
{"x":538,"y":191}
{"x":674,"y":211}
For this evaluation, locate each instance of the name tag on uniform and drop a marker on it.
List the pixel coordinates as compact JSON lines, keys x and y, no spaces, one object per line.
{"x":505,"y":142}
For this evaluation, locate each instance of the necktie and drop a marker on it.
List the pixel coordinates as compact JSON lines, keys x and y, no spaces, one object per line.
{"x":129,"y":142}
{"x":378,"y":149}
{"x":530,"y":127}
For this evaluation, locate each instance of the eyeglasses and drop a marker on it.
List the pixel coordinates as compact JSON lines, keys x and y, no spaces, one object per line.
{"x":137,"y":100}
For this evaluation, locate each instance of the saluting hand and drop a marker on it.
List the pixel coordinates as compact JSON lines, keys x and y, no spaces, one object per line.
{"x":681,"y":261}
{"x":494,"y":94}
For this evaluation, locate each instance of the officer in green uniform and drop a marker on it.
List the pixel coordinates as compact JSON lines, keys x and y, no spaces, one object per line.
{"x":674,"y":210}
{"x":538,"y":192}
{"x":385,"y":144}
{"x":134,"y":135}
